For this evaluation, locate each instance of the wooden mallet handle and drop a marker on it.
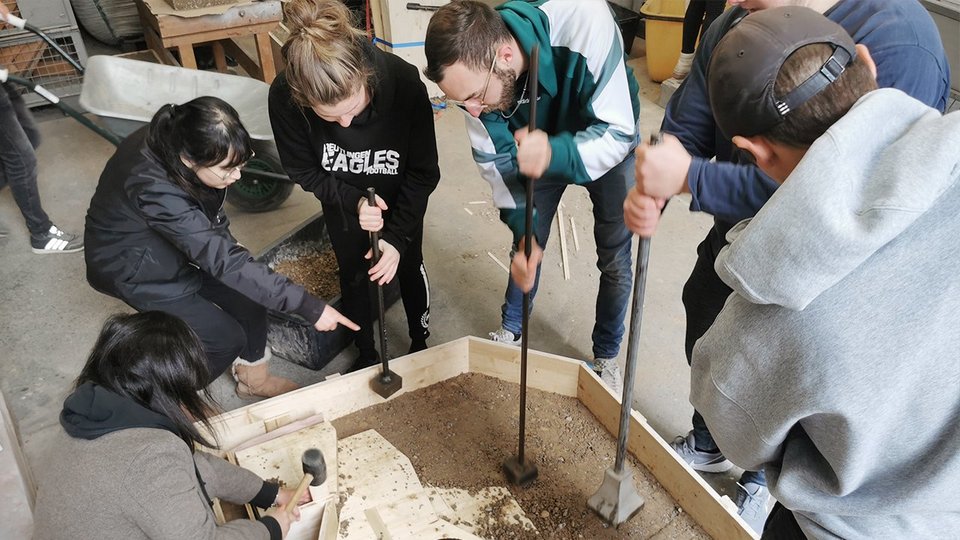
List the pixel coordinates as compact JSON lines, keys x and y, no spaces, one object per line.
{"x":301,"y":487}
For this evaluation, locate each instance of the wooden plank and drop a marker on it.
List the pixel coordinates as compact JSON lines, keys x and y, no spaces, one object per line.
{"x":237,"y":48}
{"x":379,"y":474}
{"x":717,"y":515}
{"x":280,"y":459}
{"x":547,"y":372}
{"x":153,"y":42}
{"x":268,"y":11}
{"x":278,"y":37}
{"x":376,"y":13}
{"x":474,"y":509}
{"x":329,"y":523}
{"x":268,"y":70}
{"x":413,"y":516}
{"x":187,"y":58}
{"x":216,"y":34}
{"x":342,"y":395}
{"x":17,"y":489}
{"x":219,"y":56}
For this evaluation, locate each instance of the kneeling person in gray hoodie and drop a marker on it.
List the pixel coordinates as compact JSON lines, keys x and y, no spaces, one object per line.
{"x":834,"y":365}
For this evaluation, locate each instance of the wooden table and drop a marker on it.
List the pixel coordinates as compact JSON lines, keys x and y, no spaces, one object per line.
{"x":164,"y":30}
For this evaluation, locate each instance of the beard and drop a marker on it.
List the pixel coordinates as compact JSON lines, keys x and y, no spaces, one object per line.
{"x":508,"y":94}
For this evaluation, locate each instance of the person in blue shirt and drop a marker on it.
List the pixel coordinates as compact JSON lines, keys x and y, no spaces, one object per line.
{"x":909,"y":56}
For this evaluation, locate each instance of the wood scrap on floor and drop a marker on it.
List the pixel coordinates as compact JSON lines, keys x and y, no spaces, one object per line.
{"x":563,"y":244}
{"x":576,"y":240}
{"x":500,"y":264}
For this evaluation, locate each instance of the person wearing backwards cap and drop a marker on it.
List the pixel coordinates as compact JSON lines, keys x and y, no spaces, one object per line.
{"x":907,"y":50}
{"x":830,"y":366}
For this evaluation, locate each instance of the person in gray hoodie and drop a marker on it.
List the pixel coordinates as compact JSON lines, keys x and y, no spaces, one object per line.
{"x":127,"y":465}
{"x":834,"y":366}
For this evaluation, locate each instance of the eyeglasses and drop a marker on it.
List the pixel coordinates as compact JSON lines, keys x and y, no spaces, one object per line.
{"x":475,"y":103}
{"x":223,"y":177}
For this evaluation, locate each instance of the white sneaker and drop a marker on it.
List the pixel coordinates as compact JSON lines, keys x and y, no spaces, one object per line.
{"x":609,"y":372}
{"x":502,"y":335}
{"x":751,"y":502}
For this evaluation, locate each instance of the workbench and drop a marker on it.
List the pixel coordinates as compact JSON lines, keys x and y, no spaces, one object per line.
{"x":165,"y":28}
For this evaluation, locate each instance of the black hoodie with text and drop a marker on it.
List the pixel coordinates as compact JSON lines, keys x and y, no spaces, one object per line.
{"x":390,"y":146}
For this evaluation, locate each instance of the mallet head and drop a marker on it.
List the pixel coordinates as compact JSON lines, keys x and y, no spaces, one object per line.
{"x":314,"y":464}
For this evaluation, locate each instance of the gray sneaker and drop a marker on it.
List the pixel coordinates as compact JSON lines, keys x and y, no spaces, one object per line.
{"x":609,"y":372}
{"x":751,"y":502}
{"x":712,"y":462}
{"x":502,"y":335}
{"x":56,"y":241}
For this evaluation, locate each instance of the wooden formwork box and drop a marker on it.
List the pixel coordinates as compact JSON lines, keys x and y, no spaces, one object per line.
{"x":346,"y":394}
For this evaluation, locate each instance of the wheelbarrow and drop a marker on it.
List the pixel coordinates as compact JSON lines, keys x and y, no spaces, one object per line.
{"x":106,"y":93}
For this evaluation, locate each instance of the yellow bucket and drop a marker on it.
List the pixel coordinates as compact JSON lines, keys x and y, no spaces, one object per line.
{"x":664,"y":35}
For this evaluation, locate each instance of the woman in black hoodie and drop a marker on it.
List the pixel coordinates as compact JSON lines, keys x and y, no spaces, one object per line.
{"x":157,"y":238}
{"x":346,"y":117}
{"x":127,"y":464}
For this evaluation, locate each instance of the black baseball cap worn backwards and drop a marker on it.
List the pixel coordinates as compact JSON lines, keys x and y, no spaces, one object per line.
{"x":744,"y":67}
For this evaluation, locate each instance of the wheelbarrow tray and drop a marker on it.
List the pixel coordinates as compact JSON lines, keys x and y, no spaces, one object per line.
{"x":126,"y":93}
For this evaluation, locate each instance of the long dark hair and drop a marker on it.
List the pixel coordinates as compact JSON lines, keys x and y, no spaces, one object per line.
{"x":206,"y":131}
{"x":156,"y":360}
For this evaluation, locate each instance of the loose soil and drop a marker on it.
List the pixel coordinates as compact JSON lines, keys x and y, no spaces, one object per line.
{"x":317,"y":272}
{"x":457,"y":434}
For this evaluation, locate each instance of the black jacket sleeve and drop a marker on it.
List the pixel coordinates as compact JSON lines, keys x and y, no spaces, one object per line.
{"x":170,"y":212}
{"x":300,"y":160}
{"x":420,"y":177}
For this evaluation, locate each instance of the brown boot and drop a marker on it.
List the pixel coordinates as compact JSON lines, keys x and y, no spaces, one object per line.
{"x":254,"y":380}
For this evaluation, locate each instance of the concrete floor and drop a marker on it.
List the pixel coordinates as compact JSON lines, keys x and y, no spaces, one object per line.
{"x":51,"y":316}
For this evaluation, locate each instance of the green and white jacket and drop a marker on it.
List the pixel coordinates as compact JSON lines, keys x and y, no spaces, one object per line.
{"x":587,"y":101}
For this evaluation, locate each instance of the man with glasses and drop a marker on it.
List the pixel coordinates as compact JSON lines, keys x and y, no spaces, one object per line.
{"x":588,"y":113}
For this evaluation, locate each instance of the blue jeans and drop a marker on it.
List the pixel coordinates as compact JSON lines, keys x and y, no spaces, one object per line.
{"x":18,"y":161}
{"x":613,"y":254}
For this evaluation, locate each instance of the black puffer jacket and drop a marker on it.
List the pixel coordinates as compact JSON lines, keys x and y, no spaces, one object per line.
{"x":147,"y":240}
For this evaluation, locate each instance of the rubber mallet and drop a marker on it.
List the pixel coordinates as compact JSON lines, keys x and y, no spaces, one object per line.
{"x":314,"y":474}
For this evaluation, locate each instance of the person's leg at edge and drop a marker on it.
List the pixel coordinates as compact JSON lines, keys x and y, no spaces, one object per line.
{"x":250,"y":368}
{"x":781,"y":524}
{"x":18,"y":161}
{"x":692,"y":22}
{"x":546,"y":197}
{"x":613,"y":240}
{"x":415,"y":292}
{"x":350,"y":246}
{"x":704,"y":295}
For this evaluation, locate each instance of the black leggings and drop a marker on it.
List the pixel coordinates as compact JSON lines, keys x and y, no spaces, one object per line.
{"x":355,"y":286}
{"x":696,"y":20}
{"x":782,"y":525}
{"x":229,"y":324}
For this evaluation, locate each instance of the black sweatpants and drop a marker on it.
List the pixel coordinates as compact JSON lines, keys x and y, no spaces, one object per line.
{"x":356,"y":289}
{"x":697,"y":18}
{"x":782,"y":525}
{"x":229,"y":324}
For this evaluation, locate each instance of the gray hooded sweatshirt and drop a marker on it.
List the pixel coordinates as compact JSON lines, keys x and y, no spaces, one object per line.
{"x":835,"y":365}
